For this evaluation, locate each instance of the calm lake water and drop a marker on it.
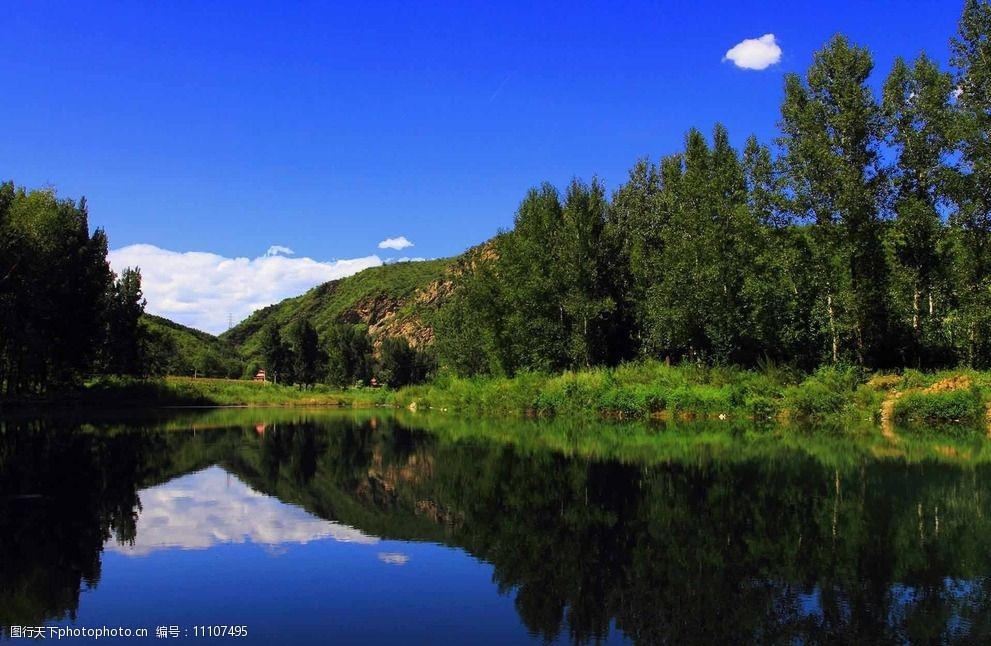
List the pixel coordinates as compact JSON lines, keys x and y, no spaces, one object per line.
{"x":348,"y":528}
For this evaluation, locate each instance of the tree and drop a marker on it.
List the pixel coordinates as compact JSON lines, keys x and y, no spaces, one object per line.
{"x":529,"y":272}
{"x":919,"y":117}
{"x":304,"y":350}
{"x":400,"y":364}
{"x":158,"y":351}
{"x":275,"y":354}
{"x":777,"y":286}
{"x":469,"y":328}
{"x":125,"y":305}
{"x":971,"y":222}
{"x":396,"y":362}
{"x":50,"y":266}
{"x":349,"y":355}
{"x":696,"y":304}
{"x":635,"y":223}
{"x":831,"y":131}
{"x":582,"y":264}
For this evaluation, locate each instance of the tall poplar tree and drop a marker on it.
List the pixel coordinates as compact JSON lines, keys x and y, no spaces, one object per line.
{"x":637,"y":222}
{"x":831,"y":131}
{"x":919,"y":116}
{"x":971,"y":223}
{"x":583,"y":274}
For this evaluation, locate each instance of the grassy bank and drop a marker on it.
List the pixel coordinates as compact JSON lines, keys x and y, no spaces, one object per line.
{"x":188,"y":391}
{"x":653,"y":389}
{"x":643,"y":390}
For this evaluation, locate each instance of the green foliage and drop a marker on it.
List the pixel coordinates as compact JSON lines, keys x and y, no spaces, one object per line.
{"x":304,"y":353}
{"x":362,"y":298}
{"x":349,"y":355}
{"x":122,"y":346}
{"x":828,"y":392}
{"x":962,"y":405}
{"x":646,"y":388}
{"x":61,"y":309}
{"x":275,"y":355}
{"x":172,"y":349}
{"x":401,"y":365}
{"x":117,"y":392}
{"x":832,"y":128}
{"x":546,"y":298}
{"x":970,"y":231}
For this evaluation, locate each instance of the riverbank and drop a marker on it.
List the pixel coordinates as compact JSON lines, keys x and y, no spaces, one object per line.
{"x":655,"y":390}
{"x":641,"y":390}
{"x":116,"y":392}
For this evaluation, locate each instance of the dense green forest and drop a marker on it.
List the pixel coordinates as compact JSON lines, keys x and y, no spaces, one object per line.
{"x":863,"y":236}
{"x":64,"y":314}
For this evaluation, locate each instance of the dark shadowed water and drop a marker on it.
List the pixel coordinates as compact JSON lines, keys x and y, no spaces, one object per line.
{"x":315,"y":528}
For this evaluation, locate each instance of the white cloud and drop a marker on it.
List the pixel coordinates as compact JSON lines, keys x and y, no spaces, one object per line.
{"x":755,"y":53}
{"x":209,"y":507}
{"x":398,"y":244}
{"x":279,"y":250}
{"x":201,"y":289}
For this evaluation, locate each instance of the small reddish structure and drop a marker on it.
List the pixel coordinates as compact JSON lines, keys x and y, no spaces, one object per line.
{"x":260,"y":375}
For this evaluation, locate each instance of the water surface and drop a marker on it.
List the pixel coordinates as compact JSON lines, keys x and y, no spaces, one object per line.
{"x":312,"y":527}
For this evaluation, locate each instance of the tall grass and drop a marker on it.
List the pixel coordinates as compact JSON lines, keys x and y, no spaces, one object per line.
{"x":188,"y":391}
{"x":839,"y":395}
{"x":649,"y":388}
{"x":964,"y":405}
{"x":653,"y":389}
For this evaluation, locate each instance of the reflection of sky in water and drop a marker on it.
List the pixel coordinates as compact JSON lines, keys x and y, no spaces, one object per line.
{"x":210,"y":507}
{"x":393,"y":558}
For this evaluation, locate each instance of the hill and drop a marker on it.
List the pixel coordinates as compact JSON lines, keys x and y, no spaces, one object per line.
{"x":398,"y":299}
{"x":181,"y":350}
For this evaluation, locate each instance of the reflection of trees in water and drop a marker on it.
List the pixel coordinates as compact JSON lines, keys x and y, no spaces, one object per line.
{"x":775,"y":549}
{"x":65,"y":490}
{"x":63,"y":494}
{"x":756,"y":550}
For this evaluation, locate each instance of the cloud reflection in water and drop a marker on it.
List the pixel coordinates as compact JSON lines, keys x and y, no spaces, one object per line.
{"x":211,"y":507}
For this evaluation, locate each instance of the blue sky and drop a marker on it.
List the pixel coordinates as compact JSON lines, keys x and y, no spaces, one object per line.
{"x":326,"y":128}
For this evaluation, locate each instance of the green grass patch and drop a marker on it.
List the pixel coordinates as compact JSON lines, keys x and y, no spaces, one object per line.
{"x":963,"y":405}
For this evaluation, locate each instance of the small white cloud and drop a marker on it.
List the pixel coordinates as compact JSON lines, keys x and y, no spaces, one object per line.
{"x":398,"y":244}
{"x":202,"y":289}
{"x":755,"y":53}
{"x":279,"y":250}
{"x":957,"y":93}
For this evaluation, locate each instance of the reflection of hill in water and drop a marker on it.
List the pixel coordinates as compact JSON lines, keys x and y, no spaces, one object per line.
{"x":783,"y":547}
{"x":211,"y":507}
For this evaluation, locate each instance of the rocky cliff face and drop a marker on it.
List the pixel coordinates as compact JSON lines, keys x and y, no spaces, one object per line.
{"x":385,"y":316}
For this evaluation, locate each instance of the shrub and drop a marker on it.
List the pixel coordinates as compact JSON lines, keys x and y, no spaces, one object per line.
{"x":946,"y":406}
{"x":761,"y":407}
{"x":700,"y":399}
{"x":812,"y":398}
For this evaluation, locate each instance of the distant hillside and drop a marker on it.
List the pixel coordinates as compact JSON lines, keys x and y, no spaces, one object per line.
{"x":398,"y":299}
{"x":181,"y":350}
